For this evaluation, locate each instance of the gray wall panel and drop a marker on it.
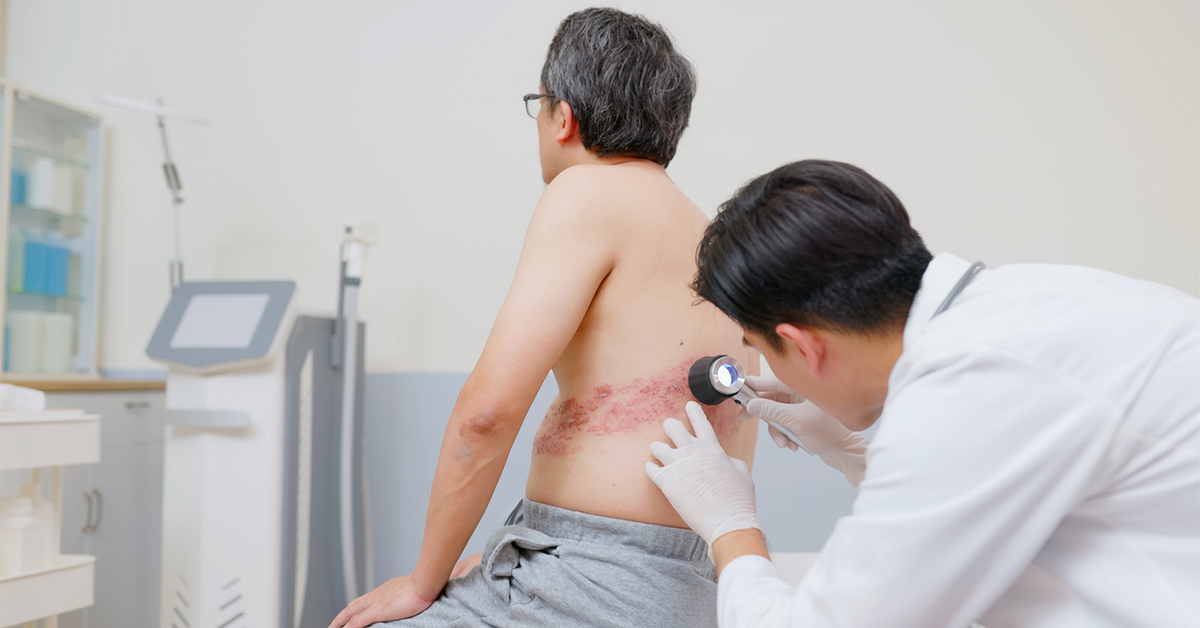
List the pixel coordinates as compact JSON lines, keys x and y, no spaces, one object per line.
{"x":406,"y":415}
{"x":799,"y":498}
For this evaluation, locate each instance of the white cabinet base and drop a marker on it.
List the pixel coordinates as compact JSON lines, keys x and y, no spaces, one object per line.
{"x":62,"y":587}
{"x":36,"y":440}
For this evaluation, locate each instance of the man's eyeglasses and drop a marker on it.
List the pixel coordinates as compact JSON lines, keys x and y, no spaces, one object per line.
{"x":533,"y":103}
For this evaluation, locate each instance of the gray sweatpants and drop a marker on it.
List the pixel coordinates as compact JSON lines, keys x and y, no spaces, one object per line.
{"x":548,"y":566}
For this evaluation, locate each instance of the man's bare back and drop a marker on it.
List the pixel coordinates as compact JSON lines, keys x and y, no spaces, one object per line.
{"x":625,"y":369}
{"x":601,"y":298}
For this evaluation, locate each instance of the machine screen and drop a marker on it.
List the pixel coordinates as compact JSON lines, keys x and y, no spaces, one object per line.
{"x":219,"y":321}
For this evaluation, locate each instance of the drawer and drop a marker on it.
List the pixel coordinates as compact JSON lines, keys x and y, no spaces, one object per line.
{"x":130,"y":417}
{"x":32,"y":442}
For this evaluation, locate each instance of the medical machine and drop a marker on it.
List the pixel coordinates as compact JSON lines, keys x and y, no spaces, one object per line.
{"x":264,"y":486}
{"x":714,"y":379}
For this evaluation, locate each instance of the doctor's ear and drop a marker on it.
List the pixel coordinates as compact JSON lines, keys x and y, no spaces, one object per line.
{"x":804,"y":340}
{"x":564,"y":124}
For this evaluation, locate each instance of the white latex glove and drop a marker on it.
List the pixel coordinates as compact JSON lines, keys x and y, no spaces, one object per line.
{"x":710,"y":490}
{"x":823,"y":435}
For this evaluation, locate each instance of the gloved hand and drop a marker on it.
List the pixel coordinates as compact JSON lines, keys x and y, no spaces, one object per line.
{"x":710,"y":490}
{"x":823,"y":435}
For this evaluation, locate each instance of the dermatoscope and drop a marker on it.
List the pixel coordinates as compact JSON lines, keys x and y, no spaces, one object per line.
{"x":717,"y":378}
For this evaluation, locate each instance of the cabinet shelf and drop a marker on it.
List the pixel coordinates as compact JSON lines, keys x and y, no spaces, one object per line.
{"x":30,"y":210}
{"x":46,"y":295}
{"x":35,"y":440}
{"x":63,"y":159}
{"x":64,"y":586}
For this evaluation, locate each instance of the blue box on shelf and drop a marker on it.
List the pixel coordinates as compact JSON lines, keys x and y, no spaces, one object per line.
{"x":56,"y":269}
{"x":36,"y":255}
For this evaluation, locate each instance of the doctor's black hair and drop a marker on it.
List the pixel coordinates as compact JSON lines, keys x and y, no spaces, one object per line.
{"x":817,"y":243}
{"x":629,"y":88}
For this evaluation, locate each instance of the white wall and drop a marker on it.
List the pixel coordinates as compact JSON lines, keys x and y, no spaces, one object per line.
{"x":1051,"y":131}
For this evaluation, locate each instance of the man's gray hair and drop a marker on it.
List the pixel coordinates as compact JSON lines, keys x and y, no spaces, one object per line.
{"x":629,"y":89}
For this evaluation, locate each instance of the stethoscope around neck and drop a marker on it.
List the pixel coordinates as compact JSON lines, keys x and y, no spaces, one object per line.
{"x":715,"y":379}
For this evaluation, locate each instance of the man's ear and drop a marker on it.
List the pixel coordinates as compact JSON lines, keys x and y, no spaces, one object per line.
{"x":808,"y":342}
{"x":566,"y":126}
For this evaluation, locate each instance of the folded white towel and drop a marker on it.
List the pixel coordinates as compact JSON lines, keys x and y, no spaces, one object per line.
{"x":16,"y":398}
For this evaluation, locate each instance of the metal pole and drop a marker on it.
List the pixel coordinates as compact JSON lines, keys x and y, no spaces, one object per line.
{"x":175,"y":186}
{"x":177,"y":261}
{"x":352,"y":256}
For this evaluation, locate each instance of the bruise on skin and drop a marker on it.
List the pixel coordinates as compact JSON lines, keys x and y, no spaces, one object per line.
{"x":726,"y":418}
{"x":643,"y":401}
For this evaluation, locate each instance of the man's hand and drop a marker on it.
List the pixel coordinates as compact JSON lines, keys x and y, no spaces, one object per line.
{"x":710,"y":490}
{"x":463,"y":566}
{"x":395,"y":599}
{"x":825,"y":436}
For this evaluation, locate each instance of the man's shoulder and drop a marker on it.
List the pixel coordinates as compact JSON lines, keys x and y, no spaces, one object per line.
{"x":603,"y":184}
{"x":598,"y":174}
{"x":602,"y":194}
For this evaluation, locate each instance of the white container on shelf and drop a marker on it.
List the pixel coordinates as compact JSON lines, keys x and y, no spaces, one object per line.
{"x":57,"y":339}
{"x":42,"y":509}
{"x":25,"y":340}
{"x":40,"y":341}
{"x":24,"y":540}
{"x":42,"y":188}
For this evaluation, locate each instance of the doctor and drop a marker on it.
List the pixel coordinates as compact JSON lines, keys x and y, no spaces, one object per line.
{"x":1038,"y":456}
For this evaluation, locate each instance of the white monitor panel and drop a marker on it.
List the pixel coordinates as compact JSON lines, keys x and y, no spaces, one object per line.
{"x":219,"y":321}
{"x":212,"y":323}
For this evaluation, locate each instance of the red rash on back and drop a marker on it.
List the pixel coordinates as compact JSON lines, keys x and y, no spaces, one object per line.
{"x":632,"y":406}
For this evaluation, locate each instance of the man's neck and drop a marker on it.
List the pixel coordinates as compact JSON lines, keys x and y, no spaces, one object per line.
{"x":873,"y":357}
{"x":579,"y":156}
{"x":890,"y":348}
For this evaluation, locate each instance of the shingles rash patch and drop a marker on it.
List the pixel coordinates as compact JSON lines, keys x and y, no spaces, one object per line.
{"x":610,"y":410}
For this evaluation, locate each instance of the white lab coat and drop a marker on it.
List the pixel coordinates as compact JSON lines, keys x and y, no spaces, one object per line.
{"x":1037,"y":464}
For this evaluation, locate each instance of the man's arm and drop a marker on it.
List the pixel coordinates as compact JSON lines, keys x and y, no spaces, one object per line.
{"x":569,"y":249}
{"x":733,"y":545}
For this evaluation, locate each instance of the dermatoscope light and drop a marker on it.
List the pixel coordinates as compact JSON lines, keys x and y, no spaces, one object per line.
{"x":717,"y":378}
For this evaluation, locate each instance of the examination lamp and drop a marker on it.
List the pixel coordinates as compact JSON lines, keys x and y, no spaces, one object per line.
{"x":717,"y":378}
{"x":160,"y":111}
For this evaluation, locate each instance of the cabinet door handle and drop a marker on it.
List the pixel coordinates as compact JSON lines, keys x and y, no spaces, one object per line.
{"x":87,"y":523}
{"x":137,"y":405}
{"x":99,"y":509}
